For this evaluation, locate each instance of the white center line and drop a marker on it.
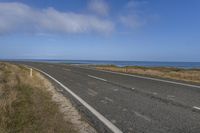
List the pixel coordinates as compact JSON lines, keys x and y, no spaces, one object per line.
{"x":155,"y":93}
{"x":92,"y":92}
{"x":143,"y":77}
{"x":115,"y":89}
{"x":195,"y":107}
{"x":108,"y":99}
{"x":142,"y":116}
{"x":170,"y":96}
{"x":97,"y":78}
{"x":66,"y":69}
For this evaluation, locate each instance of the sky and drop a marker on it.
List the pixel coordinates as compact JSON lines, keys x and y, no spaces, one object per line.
{"x":130,"y":30}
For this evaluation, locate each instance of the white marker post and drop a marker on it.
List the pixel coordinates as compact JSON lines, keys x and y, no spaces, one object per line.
{"x":31,"y":72}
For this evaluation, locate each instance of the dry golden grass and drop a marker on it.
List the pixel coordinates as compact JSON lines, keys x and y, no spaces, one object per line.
{"x":26,"y":106}
{"x":189,"y":75}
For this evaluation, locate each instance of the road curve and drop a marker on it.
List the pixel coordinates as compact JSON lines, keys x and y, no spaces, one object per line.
{"x":132,"y":104}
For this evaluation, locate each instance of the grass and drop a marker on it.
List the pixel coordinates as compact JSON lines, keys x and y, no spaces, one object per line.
{"x":188,"y":75}
{"x":26,"y":106}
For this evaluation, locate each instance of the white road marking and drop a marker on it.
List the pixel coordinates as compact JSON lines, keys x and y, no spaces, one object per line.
{"x":155,"y":93}
{"x":155,"y":79}
{"x":113,"y":121}
{"x":97,"y":78}
{"x":104,"y":101}
{"x":109,"y":124}
{"x":108,"y":99}
{"x":170,"y":96}
{"x":92,"y":92}
{"x":116,"y":89}
{"x":133,"y":88}
{"x":195,"y":107}
{"x":142,"y":116}
{"x":124,"y":109}
{"x":66,"y":69}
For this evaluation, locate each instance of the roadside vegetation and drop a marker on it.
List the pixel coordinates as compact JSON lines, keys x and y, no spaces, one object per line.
{"x":189,"y":75}
{"x":26,"y":106}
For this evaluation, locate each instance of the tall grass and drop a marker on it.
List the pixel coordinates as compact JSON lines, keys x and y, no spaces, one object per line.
{"x":190,"y":75}
{"x":26,"y":106}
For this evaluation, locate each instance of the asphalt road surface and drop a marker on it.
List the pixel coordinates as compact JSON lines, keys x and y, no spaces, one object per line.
{"x":131,"y":103}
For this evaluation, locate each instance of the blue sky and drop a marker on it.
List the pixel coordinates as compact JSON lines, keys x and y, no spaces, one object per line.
{"x":137,"y":30}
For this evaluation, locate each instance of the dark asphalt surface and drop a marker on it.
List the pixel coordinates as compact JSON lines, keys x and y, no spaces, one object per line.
{"x":151,"y":107}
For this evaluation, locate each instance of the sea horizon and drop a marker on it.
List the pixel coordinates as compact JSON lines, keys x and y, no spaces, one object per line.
{"x":120,"y":63}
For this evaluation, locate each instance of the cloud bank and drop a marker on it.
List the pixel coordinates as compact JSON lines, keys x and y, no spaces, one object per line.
{"x":18,"y":17}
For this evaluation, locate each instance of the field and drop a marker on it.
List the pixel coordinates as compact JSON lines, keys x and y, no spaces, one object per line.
{"x":188,"y":75}
{"x":26,"y":106}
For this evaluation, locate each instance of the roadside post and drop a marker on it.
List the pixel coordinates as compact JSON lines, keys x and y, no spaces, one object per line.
{"x":31,"y":72}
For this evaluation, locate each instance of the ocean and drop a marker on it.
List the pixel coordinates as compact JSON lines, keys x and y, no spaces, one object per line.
{"x":186,"y":65}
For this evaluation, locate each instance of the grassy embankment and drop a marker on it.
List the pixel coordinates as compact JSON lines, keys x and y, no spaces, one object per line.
{"x":189,"y":75}
{"x":26,"y":106}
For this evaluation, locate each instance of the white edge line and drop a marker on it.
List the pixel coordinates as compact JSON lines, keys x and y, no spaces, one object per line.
{"x":112,"y":127}
{"x":97,"y":78}
{"x":155,"y":79}
{"x":195,"y":107}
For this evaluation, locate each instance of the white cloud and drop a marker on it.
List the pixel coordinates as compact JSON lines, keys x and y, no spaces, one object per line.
{"x":135,"y":4}
{"x":18,"y":17}
{"x":133,"y":21}
{"x":99,"y":6}
{"x":134,"y":15}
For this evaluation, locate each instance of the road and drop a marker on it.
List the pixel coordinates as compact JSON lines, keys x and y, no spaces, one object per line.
{"x":131,"y":103}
